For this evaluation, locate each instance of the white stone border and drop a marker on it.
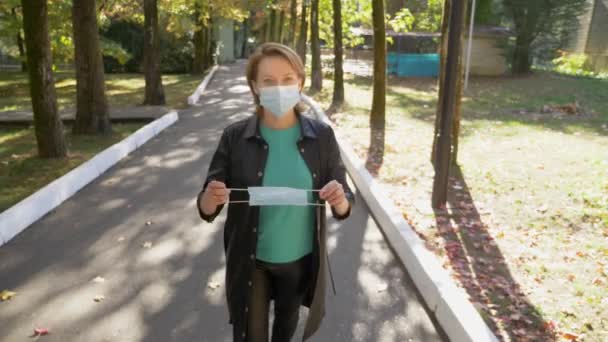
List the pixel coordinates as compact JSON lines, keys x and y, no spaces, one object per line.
{"x":21,"y":215}
{"x":454,"y":312}
{"x":193,"y":99}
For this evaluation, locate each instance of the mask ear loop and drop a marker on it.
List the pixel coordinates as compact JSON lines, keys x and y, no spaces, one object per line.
{"x":240,"y":189}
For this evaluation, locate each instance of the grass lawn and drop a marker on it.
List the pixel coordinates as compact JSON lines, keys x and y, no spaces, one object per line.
{"x":23,"y":173}
{"x":526,"y":229}
{"x":121,"y":89}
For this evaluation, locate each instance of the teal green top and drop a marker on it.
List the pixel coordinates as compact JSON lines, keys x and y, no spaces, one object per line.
{"x":285,"y":232}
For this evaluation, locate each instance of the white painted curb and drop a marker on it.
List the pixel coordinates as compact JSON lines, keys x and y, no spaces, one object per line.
{"x":458,"y":317}
{"x":193,"y":99}
{"x":21,"y":215}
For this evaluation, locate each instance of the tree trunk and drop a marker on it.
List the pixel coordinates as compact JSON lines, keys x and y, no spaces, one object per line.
{"x":316,"y":83}
{"x":455,"y":134}
{"x":377,"y":118}
{"x":293,"y":16}
{"x":338,"y":96}
{"x":209,"y":45}
{"x":443,"y":48}
{"x":20,"y":44}
{"x":198,"y":40}
{"x":280,"y":36}
{"x":521,"y":54}
{"x":273,"y":25}
{"x":155,"y":94}
{"x":448,"y":102}
{"x":47,"y":124}
{"x":21,"y":52}
{"x":302,"y":38}
{"x":268,"y":29}
{"x":244,"y":47}
{"x":91,"y":103}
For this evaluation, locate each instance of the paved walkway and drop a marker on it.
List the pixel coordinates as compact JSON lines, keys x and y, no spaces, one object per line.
{"x":173,"y":290}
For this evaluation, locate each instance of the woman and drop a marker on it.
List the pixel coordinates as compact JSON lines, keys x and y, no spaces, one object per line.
{"x":278,"y":251}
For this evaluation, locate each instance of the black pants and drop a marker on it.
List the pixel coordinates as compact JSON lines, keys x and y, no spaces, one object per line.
{"x":288,"y":282}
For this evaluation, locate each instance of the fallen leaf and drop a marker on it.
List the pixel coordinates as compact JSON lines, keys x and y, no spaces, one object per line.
{"x":570,"y":336}
{"x":598,"y":281}
{"x":570,"y":277}
{"x":6,"y":295}
{"x":41,"y":331}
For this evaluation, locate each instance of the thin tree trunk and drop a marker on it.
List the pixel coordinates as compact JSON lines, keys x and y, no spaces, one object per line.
{"x":273,"y":25}
{"x":521,"y":54}
{"x":198,"y":63}
{"x":448,"y":102}
{"x":91,"y":103}
{"x":293,"y":16}
{"x":338,"y":96}
{"x":280,"y":36}
{"x":21,"y":52}
{"x":206,"y":47}
{"x":268,"y":29}
{"x":459,"y":91}
{"x":302,"y":38}
{"x":455,"y":133}
{"x":155,"y":93}
{"x":377,"y":118}
{"x":246,"y":32}
{"x":20,"y":44}
{"x":47,"y":123}
{"x":377,"y":121}
{"x":443,"y":48}
{"x":316,"y":83}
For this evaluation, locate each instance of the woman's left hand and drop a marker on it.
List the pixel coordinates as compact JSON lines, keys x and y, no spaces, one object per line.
{"x":333,"y":193}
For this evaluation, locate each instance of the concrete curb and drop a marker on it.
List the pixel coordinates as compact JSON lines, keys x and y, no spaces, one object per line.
{"x":21,"y":215}
{"x":193,"y":99}
{"x":454,"y":312}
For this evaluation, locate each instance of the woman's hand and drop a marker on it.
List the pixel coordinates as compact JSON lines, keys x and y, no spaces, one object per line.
{"x":333,"y":193}
{"x":215,"y":194}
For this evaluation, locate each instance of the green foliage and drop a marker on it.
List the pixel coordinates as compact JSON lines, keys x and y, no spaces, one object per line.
{"x":403,"y":21}
{"x":429,"y":19}
{"x":485,"y":14}
{"x":115,"y":50}
{"x":354,"y":13}
{"x":544,"y":25}
{"x":574,"y":64}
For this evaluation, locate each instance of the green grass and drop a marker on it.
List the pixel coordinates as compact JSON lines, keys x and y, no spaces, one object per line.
{"x":540,"y":179}
{"x":121,"y":89}
{"x":23,"y":173}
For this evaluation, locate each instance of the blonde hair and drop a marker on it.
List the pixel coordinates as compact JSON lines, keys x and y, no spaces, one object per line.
{"x":272,"y":49}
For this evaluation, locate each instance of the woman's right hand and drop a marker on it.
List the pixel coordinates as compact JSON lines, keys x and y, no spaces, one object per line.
{"x":215,"y":194}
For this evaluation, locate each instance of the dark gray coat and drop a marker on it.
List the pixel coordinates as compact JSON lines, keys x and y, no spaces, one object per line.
{"x":239,"y":161}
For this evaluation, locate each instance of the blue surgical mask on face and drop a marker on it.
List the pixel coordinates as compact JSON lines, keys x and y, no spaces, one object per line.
{"x":279,"y":99}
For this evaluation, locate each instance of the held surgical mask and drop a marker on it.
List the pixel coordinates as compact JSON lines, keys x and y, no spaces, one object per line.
{"x":276,"y":195}
{"x":279,"y":99}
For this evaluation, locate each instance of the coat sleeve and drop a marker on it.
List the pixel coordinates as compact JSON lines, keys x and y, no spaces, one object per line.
{"x":337,"y":171}
{"x":218,"y":170}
